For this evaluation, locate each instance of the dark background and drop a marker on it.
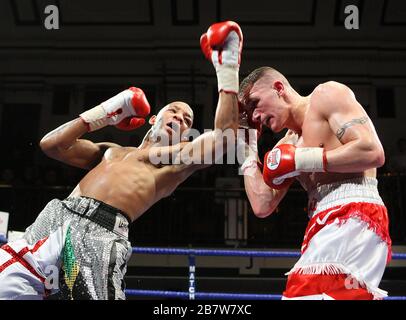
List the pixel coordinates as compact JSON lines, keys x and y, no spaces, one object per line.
{"x":48,"y":77}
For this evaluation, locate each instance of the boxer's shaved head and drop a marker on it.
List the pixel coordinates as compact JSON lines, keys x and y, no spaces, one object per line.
{"x":263,"y":73}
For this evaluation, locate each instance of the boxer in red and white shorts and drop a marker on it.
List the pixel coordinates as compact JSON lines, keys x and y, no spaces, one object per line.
{"x":332,"y":149}
{"x":346,"y":244}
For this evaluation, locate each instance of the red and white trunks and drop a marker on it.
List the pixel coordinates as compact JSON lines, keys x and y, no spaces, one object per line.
{"x":346,"y":245}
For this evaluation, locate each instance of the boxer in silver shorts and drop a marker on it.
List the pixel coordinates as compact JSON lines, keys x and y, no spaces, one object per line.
{"x":84,"y":237}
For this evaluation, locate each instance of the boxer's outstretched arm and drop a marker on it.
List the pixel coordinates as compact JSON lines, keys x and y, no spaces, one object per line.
{"x":222,"y":45}
{"x":206,"y":149}
{"x":361,"y":148}
{"x":63,"y":144}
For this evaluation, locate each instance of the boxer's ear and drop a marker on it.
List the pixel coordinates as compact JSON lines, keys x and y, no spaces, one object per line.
{"x":151,"y":120}
{"x":279,"y":87}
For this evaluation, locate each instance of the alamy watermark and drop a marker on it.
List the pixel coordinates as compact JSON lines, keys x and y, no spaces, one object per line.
{"x":352,"y":19}
{"x":212,"y":147}
{"x":51,"y":21}
{"x":52,"y":277}
{"x":351,"y":283}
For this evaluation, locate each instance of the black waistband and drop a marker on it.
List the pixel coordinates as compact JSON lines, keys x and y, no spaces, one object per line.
{"x":108,"y":208}
{"x":105,"y":215}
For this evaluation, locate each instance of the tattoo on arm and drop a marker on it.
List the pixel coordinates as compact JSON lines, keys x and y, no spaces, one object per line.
{"x":341,"y":131}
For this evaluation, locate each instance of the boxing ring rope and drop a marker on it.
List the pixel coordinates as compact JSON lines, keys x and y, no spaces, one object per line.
{"x":3,"y":239}
{"x":232,"y":253}
{"x":203,"y":295}
{"x":192,"y":294}
{"x":192,"y":253}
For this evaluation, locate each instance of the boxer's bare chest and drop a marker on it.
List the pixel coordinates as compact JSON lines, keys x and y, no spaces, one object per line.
{"x":316,"y":132}
{"x":166,"y":175}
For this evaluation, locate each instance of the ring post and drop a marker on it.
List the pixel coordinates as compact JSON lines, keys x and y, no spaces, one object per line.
{"x":192,"y":279}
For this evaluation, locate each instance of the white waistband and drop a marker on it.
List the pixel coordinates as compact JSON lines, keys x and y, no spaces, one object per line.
{"x":326,"y":196}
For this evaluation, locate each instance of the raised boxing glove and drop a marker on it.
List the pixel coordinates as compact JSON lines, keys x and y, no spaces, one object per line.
{"x":222,"y":45}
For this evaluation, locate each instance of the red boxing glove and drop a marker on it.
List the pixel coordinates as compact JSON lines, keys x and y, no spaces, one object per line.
{"x":222,"y":45}
{"x":129,"y":124}
{"x":125,"y":110}
{"x":285,"y":161}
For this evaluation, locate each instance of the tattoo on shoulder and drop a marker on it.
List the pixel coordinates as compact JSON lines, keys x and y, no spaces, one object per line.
{"x":341,"y":131}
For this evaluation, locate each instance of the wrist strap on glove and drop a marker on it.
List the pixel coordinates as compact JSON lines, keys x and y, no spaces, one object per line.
{"x":249,"y":152}
{"x":310,"y":160}
{"x":227,"y":78}
{"x":95,"y":118}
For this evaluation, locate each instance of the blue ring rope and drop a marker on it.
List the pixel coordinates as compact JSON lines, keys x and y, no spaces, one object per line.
{"x":216,"y":295}
{"x":216,"y":252}
{"x":202,"y":295}
{"x":232,"y":253}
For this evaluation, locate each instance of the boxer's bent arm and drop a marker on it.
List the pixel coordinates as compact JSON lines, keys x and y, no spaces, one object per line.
{"x":264,"y":199}
{"x":63,"y":144}
{"x":361,"y":149}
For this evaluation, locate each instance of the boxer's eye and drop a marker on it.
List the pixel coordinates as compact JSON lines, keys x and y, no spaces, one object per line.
{"x":250,"y":105}
{"x":253,"y":104}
